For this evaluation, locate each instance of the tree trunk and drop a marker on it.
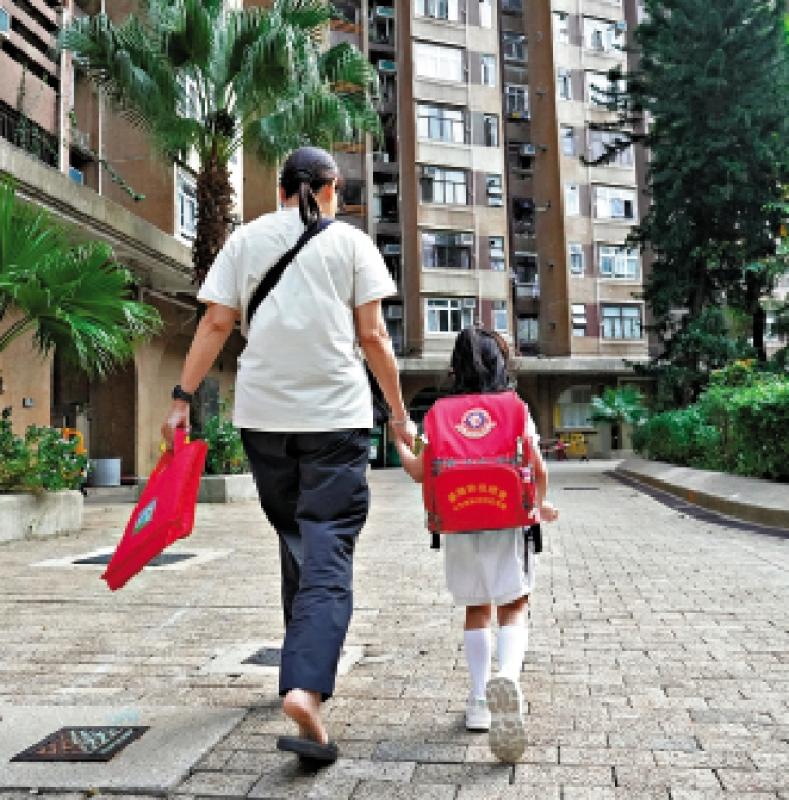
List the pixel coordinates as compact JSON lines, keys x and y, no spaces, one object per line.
{"x":214,"y":204}
{"x":753,"y":291}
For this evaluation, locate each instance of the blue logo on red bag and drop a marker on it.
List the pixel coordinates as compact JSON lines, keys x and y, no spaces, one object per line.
{"x":145,"y":516}
{"x":475,"y":424}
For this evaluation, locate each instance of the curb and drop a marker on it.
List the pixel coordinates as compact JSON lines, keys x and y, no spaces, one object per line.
{"x":741,"y":509}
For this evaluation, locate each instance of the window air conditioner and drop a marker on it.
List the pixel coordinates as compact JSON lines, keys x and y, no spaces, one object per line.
{"x":76,"y":175}
{"x":391,"y":250}
{"x":469,"y":302}
{"x":387,"y":65}
{"x":467,"y":239}
{"x":385,"y":12}
{"x":620,"y":26}
{"x":429,"y":172}
{"x":527,"y":150}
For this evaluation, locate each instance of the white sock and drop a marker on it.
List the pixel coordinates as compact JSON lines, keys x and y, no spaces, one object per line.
{"x":478,"y":645}
{"x":512,"y":642}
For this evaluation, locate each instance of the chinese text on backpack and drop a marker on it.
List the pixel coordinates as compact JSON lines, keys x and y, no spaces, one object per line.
{"x":475,"y":478}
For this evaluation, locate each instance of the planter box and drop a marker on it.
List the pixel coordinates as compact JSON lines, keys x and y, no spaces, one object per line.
{"x":43,"y":514}
{"x":227,"y":489}
{"x":221,"y":488}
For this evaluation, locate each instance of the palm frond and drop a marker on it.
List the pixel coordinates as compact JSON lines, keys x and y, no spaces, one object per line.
{"x":190,"y":39}
{"x":309,"y":15}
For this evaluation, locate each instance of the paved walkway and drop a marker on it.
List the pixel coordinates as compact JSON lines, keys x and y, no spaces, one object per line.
{"x":658,"y":664}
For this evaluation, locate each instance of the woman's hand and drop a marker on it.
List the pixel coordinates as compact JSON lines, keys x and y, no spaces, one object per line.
{"x":548,"y":512}
{"x":177,"y":418}
{"x":403,"y":430}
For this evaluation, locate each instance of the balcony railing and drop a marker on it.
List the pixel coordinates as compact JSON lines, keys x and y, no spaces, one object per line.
{"x":26,"y":134}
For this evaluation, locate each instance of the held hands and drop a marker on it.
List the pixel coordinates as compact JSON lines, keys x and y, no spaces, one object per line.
{"x":403,"y":430}
{"x":548,"y":512}
{"x":178,"y":417}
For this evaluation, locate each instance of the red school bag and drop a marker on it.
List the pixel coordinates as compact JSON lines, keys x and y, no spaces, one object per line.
{"x":475,"y":464}
{"x":164,"y":513}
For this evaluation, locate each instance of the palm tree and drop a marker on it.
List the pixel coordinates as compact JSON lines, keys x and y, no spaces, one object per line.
{"x":75,"y":298}
{"x":203,"y":79}
{"x":622,"y":406}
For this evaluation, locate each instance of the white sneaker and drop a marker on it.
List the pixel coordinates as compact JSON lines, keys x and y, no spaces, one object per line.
{"x":507,"y":732}
{"x":477,"y":714}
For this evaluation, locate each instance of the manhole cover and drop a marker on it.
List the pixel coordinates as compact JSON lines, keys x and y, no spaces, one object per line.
{"x":85,"y":743}
{"x":265,"y":657}
{"x":163,"y":560}
{"x":581,"y":488}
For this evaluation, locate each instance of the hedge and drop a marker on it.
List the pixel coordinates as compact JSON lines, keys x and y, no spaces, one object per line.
{"x":740,"y":424}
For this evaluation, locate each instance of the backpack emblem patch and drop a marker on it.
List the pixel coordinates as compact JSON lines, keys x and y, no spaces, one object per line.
{"x":146,"y":515}
{"x":475,"y":424}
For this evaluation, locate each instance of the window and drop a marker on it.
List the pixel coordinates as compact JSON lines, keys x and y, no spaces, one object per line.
{"x":618,"y":262}
{"x":561,"y":27}
{"x":447,"y":250}
{"x":516,"y":101}
{"x":567,"y":135}
{"x":564,"y":85}
{"x":520,"y":156}
{"x":575,"y":407}
{"x":449,"y":315}
{"x":513,"y":46}
{"x":438,"y":9}
{"x":436,"y":61}
{"x":572,"y":200}
{"x":500,"y":316}
{"x":576,"y":252}
{"x":515,"y":6}
{"x":600,"y":91}
{"x":525,"y":270}
{"x":579,"y":319}
{"x":602,"y":35}
{"x":187,"y":206}
{"x":621,"y":322}
{"x":496,"y":250}
{"x":485,"y":13}
{"x":441,"y":123}
{"x":188,"y":104}
{"x":490,"y":125}
{"x":488,"y":64}
{"x":601,"y":141}
{"x":445,"y":186}
{"x":612,"y":202}
{"x":523,"y":214}
{"x":494,"y":190}
{"x":528,"y":330}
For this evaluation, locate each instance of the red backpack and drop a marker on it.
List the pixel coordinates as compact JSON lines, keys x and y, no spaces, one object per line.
{"x":476,"y":474}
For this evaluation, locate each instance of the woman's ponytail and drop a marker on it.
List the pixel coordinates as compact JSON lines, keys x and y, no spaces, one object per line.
{"x":304,"y":173}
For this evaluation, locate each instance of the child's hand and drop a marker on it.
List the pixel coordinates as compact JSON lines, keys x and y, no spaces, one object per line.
{"x":548,"y":512}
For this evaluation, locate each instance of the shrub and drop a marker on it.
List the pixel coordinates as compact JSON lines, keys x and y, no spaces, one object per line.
{"x":739,"y":425}
{"x":225,"y":451}
{"x":41,"y":461}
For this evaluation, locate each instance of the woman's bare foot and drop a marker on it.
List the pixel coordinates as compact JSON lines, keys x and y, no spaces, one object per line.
{"x":303,"y":708}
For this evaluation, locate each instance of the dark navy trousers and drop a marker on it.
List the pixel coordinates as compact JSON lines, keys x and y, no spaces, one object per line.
{"x":313,"y":489}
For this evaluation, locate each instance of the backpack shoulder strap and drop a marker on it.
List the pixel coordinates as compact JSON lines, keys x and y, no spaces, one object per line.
{"x":271,"y":278}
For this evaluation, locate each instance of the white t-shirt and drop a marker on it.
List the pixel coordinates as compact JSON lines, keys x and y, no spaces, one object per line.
{"x":301,"y":369}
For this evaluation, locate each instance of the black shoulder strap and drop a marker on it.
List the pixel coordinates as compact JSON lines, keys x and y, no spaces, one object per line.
{"x":271,"y":278}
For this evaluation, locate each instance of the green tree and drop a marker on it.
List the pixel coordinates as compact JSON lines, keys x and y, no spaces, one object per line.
{"x":75,"y":298}
{"x":713,"y":83}
{"x":621,"y":406}
{"x":199,"y":78}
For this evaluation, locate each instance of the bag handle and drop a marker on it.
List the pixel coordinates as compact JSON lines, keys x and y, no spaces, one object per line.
{"x":271,"y":278}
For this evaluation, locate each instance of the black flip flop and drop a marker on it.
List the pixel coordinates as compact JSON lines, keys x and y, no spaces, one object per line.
{"x":315,"y":752}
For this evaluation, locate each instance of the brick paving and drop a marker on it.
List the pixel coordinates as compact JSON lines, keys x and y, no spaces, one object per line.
{"x":658,"y":664}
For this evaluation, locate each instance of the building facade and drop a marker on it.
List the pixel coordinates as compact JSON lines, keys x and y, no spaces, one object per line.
{"x":481,"y":203}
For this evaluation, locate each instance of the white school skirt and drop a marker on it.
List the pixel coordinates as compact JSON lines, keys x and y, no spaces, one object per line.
{"x":488,"y":566}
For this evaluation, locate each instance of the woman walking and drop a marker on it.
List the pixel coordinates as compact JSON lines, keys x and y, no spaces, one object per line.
{"x":306,"y":290}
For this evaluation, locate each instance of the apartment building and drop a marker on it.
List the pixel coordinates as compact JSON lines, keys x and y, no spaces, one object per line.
{"x":68,"y":152}
{"x":479,"y":200}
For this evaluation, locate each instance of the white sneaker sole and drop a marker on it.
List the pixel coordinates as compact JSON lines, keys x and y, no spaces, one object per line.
{"x":507,"y":735}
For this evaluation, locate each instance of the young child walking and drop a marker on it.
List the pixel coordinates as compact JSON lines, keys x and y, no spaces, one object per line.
{"x":486,"y":568}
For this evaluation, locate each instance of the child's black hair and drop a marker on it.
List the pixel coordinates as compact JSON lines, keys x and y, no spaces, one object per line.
{"x":305,"y":171}
{"x":479,"y":362}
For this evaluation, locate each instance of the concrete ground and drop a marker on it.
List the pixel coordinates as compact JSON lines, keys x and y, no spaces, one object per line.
{"x":658,"y":664}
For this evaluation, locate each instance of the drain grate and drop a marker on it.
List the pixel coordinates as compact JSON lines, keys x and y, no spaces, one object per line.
{"x":265,"y":657}
{"x":163,"y":560}
{"x":83,"y":743}
{"x":581,"y":488}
